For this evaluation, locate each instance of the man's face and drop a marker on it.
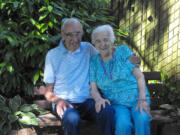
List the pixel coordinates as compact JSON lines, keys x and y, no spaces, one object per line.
{"x":72,"y":36}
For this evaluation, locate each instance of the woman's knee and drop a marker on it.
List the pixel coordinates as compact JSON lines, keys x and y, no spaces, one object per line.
{"x":142,"y":118}
{"x":123,"y":124}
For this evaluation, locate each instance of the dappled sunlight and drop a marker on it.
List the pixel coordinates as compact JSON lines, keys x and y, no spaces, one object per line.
{"x":155,"y":35}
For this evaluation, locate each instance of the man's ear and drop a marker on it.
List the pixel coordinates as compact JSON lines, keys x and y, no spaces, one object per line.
{"x":135,"y":60}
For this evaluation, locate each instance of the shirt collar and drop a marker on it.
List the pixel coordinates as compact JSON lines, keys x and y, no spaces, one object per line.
{"x":64,"y":50}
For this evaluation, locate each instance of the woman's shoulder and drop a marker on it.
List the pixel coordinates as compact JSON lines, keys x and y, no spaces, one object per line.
{"x":94,"y":57}
{"x":122,"y":47}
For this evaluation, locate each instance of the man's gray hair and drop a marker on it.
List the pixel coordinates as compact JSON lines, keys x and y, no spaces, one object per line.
{"x":69,"y":20}
{"x":102,"y":29}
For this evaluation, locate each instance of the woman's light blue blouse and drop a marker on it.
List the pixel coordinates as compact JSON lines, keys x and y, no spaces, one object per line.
{"x":122,"y":88}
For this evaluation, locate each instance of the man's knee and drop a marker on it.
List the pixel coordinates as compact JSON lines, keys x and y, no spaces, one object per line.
{"x":71,"y":117}
{"x":108,"y":112}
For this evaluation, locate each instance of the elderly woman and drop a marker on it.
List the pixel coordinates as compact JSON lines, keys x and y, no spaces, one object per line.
{"x":121,"y":84}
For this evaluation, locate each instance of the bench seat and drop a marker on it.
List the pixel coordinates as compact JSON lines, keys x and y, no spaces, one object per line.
{"x":160,"y":117}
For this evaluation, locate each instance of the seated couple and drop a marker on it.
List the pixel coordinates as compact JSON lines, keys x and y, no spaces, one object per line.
{"x":123,"y":106}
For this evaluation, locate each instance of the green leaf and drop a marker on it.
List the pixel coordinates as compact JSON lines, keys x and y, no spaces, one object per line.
{"x":5,"y":109}
{"x":72,"y":13}
{"x":2,"y":122}
{"x":39,"y":26}
{"x":26,"y":108}
{"x":33,"y":21}
{"x":28,"y":118}
{"x":42,"y":9}
{"x":12,"y":41}
{"x":43,"y":16}
{"x":34,"y":106}
{"x":57,"y":12}
{"x":15,"y":4}
{"x":3,"y":115}
{"x":6,"y":128}
{"x":12,"y":118}
{"x":2,"y":5}
{"x":41,"y":73}
{"x":2,"y":64}
{"x":2,"y":99}
{"x":15,"y":103}
{"x":107,"y":1}
{"x":50,"y":8}
{"x":10,"y":69}
{"x":44,"y":28}
{"x":50,"y":24}
{"x":41,"y":111}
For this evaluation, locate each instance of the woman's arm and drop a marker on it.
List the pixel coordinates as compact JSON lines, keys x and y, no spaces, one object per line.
{"x":142,"y":101}
{"x":99,"y":101}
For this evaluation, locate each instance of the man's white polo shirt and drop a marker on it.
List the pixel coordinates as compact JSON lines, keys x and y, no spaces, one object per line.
{"x":69,"y":71}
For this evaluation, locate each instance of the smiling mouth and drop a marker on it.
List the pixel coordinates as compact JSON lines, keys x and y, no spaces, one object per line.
{"x":104,"y":48}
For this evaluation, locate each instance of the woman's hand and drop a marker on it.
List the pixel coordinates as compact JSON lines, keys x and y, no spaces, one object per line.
{"x":101,"y":102}
{"x":143,"y":105}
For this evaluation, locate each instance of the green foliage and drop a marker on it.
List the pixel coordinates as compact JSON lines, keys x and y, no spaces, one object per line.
{"x":171,"y":93}
{"x":29,"y":28}
{"x":121,"y":34}
{"x":15,"y":114}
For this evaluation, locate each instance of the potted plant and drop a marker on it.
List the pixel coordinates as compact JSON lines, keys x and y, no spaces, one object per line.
{"x":17,"y":115}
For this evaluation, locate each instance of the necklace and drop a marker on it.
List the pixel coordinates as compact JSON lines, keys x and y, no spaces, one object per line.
{"x":111,"y":67}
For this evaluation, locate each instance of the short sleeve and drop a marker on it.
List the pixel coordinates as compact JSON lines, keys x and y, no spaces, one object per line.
{"x":48,"y":70}
{"x":92,"y":69}
{"x":126,"y":53}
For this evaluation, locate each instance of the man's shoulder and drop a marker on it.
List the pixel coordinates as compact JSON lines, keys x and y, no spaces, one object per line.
{"x":53,"y":50}
{"x":86,"y":44}
{"x":89,"y":48}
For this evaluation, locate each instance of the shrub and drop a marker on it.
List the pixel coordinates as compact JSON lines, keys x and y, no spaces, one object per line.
{"x":29,"y":28}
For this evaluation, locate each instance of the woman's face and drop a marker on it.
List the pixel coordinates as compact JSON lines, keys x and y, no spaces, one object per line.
{"x":102,"y":42}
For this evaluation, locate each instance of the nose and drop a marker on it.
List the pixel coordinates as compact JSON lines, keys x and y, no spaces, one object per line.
{"x":103,"y":43}
{"x":75,"y":38}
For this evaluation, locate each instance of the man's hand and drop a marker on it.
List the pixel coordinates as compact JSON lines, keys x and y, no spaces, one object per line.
{"x":61,"y":107}
{"x":135,"y":60}
{"x":101,"y":103}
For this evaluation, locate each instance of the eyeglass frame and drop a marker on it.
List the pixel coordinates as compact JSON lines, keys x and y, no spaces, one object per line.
{"x":71,"y":34}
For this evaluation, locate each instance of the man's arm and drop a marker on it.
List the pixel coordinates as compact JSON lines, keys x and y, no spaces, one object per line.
{"x":61,"y":104}
{"x":50,"y":96}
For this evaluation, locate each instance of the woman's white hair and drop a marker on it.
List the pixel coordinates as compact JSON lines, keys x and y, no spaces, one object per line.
{"x":102,"y":29}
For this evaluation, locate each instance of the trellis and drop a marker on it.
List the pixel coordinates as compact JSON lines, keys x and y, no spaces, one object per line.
{"x":154,"y":32}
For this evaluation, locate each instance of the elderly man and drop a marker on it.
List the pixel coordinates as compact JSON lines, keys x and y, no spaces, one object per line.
{"x":67,"y":81}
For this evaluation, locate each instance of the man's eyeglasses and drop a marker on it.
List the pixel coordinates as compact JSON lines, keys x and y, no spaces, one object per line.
{"x":72,"y":34}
